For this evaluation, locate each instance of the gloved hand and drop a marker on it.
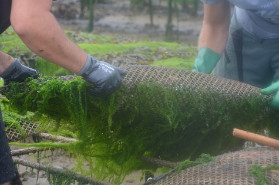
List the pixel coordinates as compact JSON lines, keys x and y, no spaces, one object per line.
{"x":206,"y":60}
{"x":273,"y":89}
{"x":17,"y":72}
{"x":105,"y":77}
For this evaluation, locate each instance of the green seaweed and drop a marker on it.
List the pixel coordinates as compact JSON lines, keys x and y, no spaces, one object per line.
{"x":114,"y":132}
{"x":259,"y":172}
{"x":175,"y":62}
{"x":117,"y":130}
{"x":203,"y":158}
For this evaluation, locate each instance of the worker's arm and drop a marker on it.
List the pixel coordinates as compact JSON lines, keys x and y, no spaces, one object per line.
{"x":39,"y":30}
{"x":213,"y":36}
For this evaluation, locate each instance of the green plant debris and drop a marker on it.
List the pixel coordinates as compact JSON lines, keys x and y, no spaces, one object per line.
{"x":102,"y":49}
{"x":46,"y":68}
{"x":117,"y":130}
{"x":10,"y":43}
{"x":175,"y":62}
{"x":83,"y":37}
{"x":259,"y":172}
{"x":204,"y":158}
{"x":13,"y":120}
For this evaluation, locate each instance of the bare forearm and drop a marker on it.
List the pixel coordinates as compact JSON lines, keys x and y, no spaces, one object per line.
{"x":43,"y":36}
{"x":213,"y":38}
{"x":5,"y":61}
{"x":214,"y":33}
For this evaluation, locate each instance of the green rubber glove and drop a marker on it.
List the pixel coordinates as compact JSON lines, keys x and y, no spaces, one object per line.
{"x":273,"y":89}
{"x":206,"y":60}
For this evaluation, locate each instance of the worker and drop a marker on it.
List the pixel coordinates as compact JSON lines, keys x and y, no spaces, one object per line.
{"x":39,"y":30}
{"x":244,"y":46}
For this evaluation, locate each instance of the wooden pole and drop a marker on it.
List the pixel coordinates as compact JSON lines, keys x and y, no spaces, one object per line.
{"x":55,"y":138}
{"x":25,"y":151}
{"x":159,"y":162}
{"x":54,"y":170}
{"x":256,"y":138}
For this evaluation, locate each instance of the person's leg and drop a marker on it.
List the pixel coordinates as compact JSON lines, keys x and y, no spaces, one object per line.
{"x":5,"y":10}
{"x":7,"y":169}
{"x":6,"y":164}
{"x":227,"y":65}
{"x":257,"y":60}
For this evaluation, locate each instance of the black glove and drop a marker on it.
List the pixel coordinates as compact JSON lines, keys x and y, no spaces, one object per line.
{"x":105,"y":77}
{"x":17,"y":72}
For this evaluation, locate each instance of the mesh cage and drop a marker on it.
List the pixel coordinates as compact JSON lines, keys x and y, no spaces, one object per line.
{"x":228,"y":169}
{"x":169,"y":77}
{"x":27,"y":129}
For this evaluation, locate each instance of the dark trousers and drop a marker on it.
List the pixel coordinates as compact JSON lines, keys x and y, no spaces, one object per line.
{"x":249,"y":59}
{"x":5,"y":11}
{"x":7,"y":170}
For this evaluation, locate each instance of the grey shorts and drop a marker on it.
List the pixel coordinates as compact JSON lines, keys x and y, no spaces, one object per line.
{"x":249,"y":59}
{"x":5,"y":11}
{"x":7,"y":169}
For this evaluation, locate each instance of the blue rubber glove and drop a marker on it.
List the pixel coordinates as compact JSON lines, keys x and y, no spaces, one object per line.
{"x":273,"y":89}
{"x":105,"y":77}
{"x":17,"y":72}
{"x":206,"y":60}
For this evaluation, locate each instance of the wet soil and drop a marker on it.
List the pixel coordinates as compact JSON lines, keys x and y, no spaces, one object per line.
{"x":117,"y":18}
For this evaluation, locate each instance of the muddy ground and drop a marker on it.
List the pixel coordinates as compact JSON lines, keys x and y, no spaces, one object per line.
{"x":114,"y":18}
{"x":117,"y":18}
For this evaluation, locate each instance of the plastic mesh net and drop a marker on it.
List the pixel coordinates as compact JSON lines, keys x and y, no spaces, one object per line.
{"x":27,"y":129}
{"x":170,"y":77}
{"x":230,"y":168}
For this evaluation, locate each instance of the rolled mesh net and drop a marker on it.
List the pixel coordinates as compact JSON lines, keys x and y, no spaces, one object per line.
{"x":27,"y":129}
{"x":233,"y":168}
{"x":170,"y":77}
{"x":176,"y":79}
{"x":181,"y":131}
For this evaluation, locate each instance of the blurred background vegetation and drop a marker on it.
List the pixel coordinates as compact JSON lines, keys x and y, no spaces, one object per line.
{"x":170,"y":15}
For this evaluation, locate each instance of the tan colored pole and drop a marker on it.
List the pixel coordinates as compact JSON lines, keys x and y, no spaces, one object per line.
{"x":255,"y":138}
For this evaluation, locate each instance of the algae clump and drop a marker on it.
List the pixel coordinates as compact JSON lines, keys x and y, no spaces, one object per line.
{"x":117,"y":130}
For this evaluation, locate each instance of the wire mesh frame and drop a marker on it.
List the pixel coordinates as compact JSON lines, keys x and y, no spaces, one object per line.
{"x":169,"y":77}
{"x":229,"y":169}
